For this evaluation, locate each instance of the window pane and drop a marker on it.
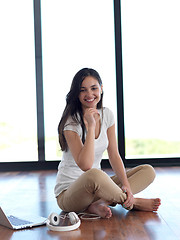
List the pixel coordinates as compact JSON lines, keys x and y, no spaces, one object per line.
{"x":18,"y":131}
{"x":75,"y":34}
{"x":151,"y":50}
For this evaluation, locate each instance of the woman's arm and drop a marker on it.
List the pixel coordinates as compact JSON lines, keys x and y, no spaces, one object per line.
{"x":118,"y":166}
{"x":83,"y":154}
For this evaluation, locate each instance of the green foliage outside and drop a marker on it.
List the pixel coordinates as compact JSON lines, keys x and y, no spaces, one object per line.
{"x":135,"y":148}
{"x":152,"y":147}
{"x":10,"y":136}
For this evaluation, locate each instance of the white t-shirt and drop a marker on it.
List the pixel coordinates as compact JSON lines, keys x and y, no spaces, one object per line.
{"x":68,"y":170}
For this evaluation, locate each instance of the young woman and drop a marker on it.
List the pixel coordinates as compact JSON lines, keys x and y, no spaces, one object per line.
{"x":86,"y":130}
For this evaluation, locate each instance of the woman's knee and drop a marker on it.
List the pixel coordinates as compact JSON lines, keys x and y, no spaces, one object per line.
{"x":150,"y":172}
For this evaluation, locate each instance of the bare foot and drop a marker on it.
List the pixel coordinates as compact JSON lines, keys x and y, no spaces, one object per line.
{"x":149,"y":205}
{"x":100,"y":208}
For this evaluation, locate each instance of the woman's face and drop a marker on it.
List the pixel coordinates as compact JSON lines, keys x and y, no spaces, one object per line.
{"x":90,"y":92}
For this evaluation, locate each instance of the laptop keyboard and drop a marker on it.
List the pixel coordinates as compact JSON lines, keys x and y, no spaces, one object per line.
{"x":16,"y":221}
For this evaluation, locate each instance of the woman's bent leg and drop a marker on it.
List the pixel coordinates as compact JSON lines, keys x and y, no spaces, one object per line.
{"x":90,"y":186}
{"x":139,"y":178}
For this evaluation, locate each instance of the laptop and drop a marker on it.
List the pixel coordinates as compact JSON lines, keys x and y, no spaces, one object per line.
{"x":16,"y":223}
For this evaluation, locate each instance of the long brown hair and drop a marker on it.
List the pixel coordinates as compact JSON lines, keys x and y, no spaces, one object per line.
{"x":73,"y":106}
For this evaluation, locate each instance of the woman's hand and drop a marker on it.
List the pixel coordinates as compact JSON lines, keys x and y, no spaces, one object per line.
{"x":130,"y":198}
{"x":91,"y":115}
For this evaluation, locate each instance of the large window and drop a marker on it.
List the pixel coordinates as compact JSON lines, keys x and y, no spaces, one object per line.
{"x":75,"y":34}
{"x":134,"y":45}
{"x":151,"y":76}
{"x":18,"y":130}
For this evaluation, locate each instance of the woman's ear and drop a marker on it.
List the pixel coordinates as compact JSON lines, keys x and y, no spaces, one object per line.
{"x":101,"y":89}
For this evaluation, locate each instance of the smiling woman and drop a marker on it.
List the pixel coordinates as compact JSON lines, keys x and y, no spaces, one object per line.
{"x":90,"y":92}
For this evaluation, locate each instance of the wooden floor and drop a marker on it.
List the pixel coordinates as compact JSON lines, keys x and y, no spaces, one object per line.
{"x":32,"y":193}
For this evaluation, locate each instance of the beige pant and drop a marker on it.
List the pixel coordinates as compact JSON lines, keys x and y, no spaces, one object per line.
{"x":95,"y":184}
